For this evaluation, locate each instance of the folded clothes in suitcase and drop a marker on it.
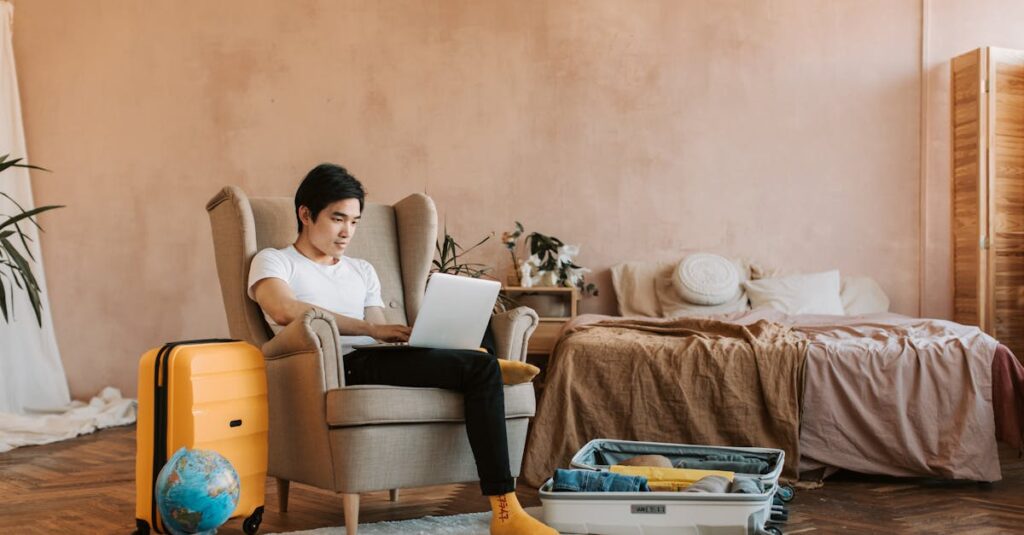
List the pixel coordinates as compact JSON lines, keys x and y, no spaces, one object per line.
{"x":207,"y":395}
{"x":675,"y":513}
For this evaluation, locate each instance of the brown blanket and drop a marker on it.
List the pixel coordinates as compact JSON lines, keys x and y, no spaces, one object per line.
{"x":695,"y":381}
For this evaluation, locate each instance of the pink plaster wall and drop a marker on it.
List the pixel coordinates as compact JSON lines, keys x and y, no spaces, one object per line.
{"x":785,"y":131}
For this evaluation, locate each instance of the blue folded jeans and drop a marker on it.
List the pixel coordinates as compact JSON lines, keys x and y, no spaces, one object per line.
{"x":593,"y":481}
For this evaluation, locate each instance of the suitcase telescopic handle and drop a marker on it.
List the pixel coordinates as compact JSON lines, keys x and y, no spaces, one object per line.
{"x":161,"y":368}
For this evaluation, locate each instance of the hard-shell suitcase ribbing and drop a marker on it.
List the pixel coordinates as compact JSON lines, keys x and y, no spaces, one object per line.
{"x":202,"y":394}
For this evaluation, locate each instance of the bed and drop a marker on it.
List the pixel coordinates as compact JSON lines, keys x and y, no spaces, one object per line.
{"x":876,"y":393}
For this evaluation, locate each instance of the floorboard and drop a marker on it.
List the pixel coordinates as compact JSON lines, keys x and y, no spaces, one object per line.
{"x":86,"y":485}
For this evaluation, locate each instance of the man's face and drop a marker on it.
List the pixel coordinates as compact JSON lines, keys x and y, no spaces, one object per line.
{"x":334,"y":226}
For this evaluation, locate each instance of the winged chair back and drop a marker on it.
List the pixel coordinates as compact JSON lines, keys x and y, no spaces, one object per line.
{"x":398,"y":240}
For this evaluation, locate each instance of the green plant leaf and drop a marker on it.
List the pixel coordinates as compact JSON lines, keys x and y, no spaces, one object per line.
{"x":5,"y":163}
{"x":3,"y":300}
{"x":21,"y":208}
{"x":23,"y":267}
{"x":33,"y":298}
{"x":29,"y":214}
{"x":25,"y":272}
{"x":24,"y":241}
{"x":447,"y":261}
{"x":21,"y":234}
{"x":449,"y":246}
{"x":478,"y":244}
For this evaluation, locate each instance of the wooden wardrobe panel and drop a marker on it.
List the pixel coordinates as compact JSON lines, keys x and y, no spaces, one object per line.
{"x":1005,"y":168}
{"x":968,"y":209}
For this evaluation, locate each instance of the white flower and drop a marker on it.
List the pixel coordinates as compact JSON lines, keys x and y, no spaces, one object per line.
{"x":574,"y":276}
{"x":525,"y":270}
{"x":577,"y":272}
{"x":566,"y":253}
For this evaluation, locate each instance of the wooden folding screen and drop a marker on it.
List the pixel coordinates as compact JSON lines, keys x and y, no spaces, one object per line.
{"x":988,"y":192}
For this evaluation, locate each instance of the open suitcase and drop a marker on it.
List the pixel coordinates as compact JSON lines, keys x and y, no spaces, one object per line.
{"x":202,"y":394}
{"x":664,"y":513}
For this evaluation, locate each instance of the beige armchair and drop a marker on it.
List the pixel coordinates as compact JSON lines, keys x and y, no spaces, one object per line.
{"x":359,"y":438}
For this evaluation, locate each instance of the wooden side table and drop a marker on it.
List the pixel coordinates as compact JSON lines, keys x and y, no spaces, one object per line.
{"x":555,"y":306}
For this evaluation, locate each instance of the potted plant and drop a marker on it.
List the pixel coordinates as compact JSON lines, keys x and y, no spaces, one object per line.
{"x":447,"y":261}
{"x":15,"y":269}
{"x":551,"y":261}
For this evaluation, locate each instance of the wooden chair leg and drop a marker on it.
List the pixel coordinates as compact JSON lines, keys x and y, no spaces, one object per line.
{"x":350,"y":505}
{"x":394,"y":495}
{"x":282,"y":494}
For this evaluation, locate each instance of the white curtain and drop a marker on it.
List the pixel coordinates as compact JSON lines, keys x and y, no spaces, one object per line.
{"x":31,"y":374}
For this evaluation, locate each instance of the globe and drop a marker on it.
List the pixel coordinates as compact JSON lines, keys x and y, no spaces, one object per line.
{"x":196,"y":491}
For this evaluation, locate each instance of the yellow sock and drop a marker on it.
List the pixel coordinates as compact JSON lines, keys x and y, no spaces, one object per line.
{"x":509,"y":518}
{"x":514,"y":372}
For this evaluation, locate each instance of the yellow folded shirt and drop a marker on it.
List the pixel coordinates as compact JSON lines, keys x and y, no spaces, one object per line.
{"x":669,"y":479}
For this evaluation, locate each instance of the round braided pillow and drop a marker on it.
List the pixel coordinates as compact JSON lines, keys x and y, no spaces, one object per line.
{"x":706,"y":279}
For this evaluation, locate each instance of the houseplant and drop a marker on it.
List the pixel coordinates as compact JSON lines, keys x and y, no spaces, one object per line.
{"x":448,"y":261}
{"x":16,"y":270}
{"x":550,"y":263}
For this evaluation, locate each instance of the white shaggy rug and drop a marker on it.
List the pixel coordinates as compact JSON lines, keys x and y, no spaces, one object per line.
{"x":468,"y":524}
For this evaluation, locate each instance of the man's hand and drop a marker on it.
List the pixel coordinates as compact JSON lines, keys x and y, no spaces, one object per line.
{"x":390,"y":333}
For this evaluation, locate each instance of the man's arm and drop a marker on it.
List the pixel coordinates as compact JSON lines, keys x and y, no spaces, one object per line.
{"x":375,"y":315}
{"x":276,"y":298}
{"x":391,"y":332}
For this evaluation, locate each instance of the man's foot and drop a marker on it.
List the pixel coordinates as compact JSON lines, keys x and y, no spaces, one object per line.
{"x":509,"y":518}
{"x":514,"y":372}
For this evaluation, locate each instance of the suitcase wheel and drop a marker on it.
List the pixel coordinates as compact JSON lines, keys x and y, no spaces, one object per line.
{"x":786,"y":493}
{"x":141,"y":527}
{"x":252,"y":524}
{"x":772,"y":530}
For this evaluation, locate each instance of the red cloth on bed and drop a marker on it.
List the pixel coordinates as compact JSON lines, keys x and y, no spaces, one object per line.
{"x":1008,"y":397}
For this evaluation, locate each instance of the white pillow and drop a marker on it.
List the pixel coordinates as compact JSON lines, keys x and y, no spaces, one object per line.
{"x":706,"y":279}
{"x":862,"y":295}
{"x":814,"y":293}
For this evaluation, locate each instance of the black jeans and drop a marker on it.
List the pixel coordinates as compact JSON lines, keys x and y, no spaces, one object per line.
{"x":474,"y":373}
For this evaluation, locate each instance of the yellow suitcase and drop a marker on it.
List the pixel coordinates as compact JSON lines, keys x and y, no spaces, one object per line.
{"x":202,"y":394}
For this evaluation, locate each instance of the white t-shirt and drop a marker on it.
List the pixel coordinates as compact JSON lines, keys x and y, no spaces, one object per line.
{"x":345,"y":288}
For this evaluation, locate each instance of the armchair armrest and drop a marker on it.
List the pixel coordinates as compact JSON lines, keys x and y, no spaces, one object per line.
{"x":303,"y":364}
{"x":512,"y":330}
{"x":314,"y":332}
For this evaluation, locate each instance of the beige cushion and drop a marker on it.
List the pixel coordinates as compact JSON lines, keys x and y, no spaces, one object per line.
{"x":378,"y":404}
{"x":813,"y":293}
{"x":635,"y":289}
{"x":646,"y":288}
{"x":862,"y":295}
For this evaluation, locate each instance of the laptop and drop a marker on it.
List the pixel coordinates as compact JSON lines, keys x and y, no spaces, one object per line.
{"x":454,"y":314}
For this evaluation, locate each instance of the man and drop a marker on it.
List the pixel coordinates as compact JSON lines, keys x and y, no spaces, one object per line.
{"x":314,"y":272}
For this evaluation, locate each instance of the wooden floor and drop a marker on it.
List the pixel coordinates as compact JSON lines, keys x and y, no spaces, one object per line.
{"x":86,"y":485}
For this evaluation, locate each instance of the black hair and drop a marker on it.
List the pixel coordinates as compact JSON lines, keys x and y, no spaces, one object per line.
{"x":325,"y":184}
